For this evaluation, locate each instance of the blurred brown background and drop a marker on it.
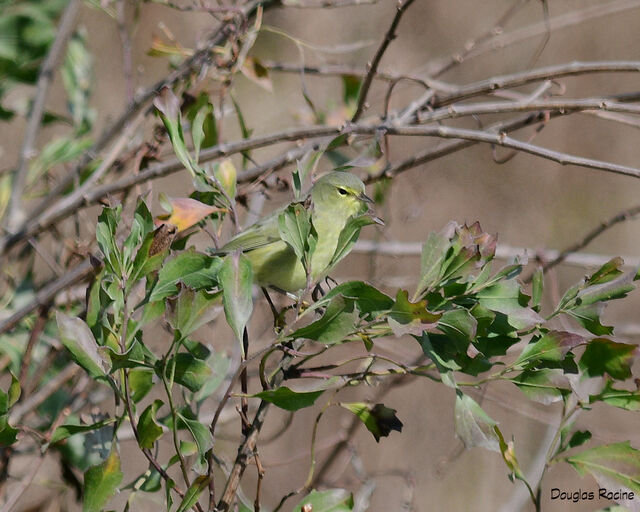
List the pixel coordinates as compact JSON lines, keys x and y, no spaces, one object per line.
{"x":529,"y":202}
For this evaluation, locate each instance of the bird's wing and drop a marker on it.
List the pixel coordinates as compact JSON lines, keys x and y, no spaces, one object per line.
{"x":263,"y":232}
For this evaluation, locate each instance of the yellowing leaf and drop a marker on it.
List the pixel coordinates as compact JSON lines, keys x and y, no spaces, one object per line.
{"x":161,"y":49}
{"x":226,"y":174}
{"x":257,"y":73}
{"x":186,"y":212}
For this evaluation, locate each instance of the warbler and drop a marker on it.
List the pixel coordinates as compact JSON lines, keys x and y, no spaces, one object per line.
{"x":332,"y":201}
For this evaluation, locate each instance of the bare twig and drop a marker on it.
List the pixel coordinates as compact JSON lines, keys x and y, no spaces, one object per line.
{"x":565,"y":255}
{"x":497,"y":28}
{"x":125,"y":41}
{"x":325,"y":4}
{"x":561,"y":106}
{"x":20,"y":410}
{"x":193,"y":64}
{"x":36,"y":331}
{"x":503,"y":251}
{"x":46,"y":295}
{"x":502,"y":139}
{"x":373,"y":65}
{"x":91,"y":195}
{"x":535,"y":75}
{"x":15,"y":216}
{"x":342,"y":70}
{"x":502,"y":40}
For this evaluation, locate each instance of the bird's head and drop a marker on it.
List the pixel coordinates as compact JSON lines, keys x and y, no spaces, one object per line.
{"x":341,"y":192}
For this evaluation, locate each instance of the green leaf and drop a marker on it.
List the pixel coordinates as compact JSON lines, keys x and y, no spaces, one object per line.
{"x":338,"y":322}
{"x":218,"y":364}
{"x":101,"y":483}
{"x":294,"y":226}
{"x":197,"y":130}
{"x":606,"y":356}
{"x":168,"y":105}
{"x":287,"y":399}
{"x":552,"y":346}
{"x":505,"y":297}
{"x":134,"y":357}
{"x":613,"y":466}
{"x":332,"y":500}
{"x":622,"y":398}
{"x":149,"y":257}
{"x":206,"y":125}
{"x":545,"y":386}
{"x":190,"y":372}
{"x":459,"y":325}
{"x":578,"y":438}
{"x":444,"y":361}
{"x":192,"y":309}
{"x":148,"y":428}
{"x":106,"y":228}
{"x":14,"y":391}
{"x":348,"y":237}
{"x":370,"y":301}
{"x":433,"y":256}
{"x":8,"y":434}
{"x":194,"y":269}
{"x":304,"y":169}
{"x":408,"y":317}
{"x":140,"y":382}
{"x":65,"y":431}
{"x":474,"y":426}
{"x":351,"y":88}
{"x":379,"y":419}
{"x":236,"y":277}
{"x":608,"y":290}
{"x":607,"y":272}
{"x":509,"y":456}
{"x":589,"y":318}
{"x":201,"y":434}
{"x":193,"y":493}
{"x":79,"y":341}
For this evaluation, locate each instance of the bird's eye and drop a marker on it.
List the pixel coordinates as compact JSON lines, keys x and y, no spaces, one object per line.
{"x":342,"y":192}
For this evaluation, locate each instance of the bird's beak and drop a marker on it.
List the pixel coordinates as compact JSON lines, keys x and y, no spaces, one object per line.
{"x":365,"y":198}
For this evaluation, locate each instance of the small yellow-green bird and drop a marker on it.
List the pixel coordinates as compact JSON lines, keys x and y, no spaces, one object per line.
{"x":332,"y":201}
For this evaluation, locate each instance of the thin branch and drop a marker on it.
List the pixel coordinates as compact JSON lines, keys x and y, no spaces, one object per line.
{"x":21,"y":409}
{"x":373,"y":65}
{"x":502,"y":139}
{"x":193,"y":64}
{"x":24,"y":484}
{"x":459,"y":57}
{"x":78,"y":200}
{"x":355,"y":424}
{"x":34,"y":336}
{"x":496,"y":83}
{"x":562,"y":106}
{"x":503,"y":252}
{"x":47,"y":294}
{"x":566,"y":254}
{"x":343,"y":70}
{"x":15,"y":216}
{"x":86,"y":197}
{"x":502,"y":40}
{"x":535,"y":75}
{"x":125,"y":42}
{"x":325,"y":4}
